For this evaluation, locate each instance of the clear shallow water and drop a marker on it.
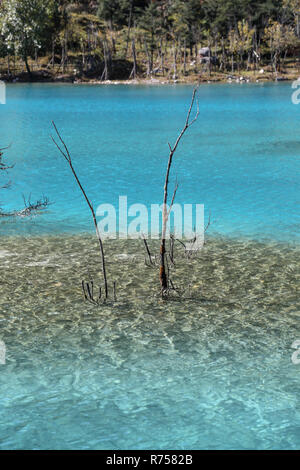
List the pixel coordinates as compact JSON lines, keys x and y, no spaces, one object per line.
{"x":212,"y":370}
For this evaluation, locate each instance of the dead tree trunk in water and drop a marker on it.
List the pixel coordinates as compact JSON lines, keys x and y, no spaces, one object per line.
{"x":163,"y":276}
{"x":67,"y":156}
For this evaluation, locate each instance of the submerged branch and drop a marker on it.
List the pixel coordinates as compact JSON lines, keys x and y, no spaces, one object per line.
{"x":4,"y":166}
{"x":29,"y":209}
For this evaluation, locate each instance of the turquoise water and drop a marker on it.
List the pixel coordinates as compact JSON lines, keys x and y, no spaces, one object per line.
{"x":241,"y":159}
{"x":211,"y":370}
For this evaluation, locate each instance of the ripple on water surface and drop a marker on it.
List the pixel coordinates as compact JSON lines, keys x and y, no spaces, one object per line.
{"x":212,"y":370}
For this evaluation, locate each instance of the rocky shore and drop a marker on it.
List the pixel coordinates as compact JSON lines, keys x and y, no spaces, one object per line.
{"x":260,"y":76}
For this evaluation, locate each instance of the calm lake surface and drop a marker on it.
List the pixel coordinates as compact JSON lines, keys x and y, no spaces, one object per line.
{"x":211,"y":370}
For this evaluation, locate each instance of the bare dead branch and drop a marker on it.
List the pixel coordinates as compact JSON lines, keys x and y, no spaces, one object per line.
{"x":66,"y":154}
{"x":29,"y":209}
{"x":181,"y":243}
{"x":171,"y":254}
{"x":88,"y":292}
{"x":162,"y":273}
{"x":4,"y":166}
{"x":147,"y":250}
{"x":173,"y":199}
{"x":208,"y":223}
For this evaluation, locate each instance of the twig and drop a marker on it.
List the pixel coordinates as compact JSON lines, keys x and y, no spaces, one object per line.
{"x":147,"y":250}
{"x":3,"y":166}
{"x":171,"y":255}
{"x":208,"y":223}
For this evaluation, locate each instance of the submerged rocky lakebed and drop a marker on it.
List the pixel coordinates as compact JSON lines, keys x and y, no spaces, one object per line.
{"x":210,"y":370}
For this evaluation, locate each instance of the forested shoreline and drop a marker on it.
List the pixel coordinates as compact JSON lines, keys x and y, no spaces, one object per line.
{"x":147,"y":39}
